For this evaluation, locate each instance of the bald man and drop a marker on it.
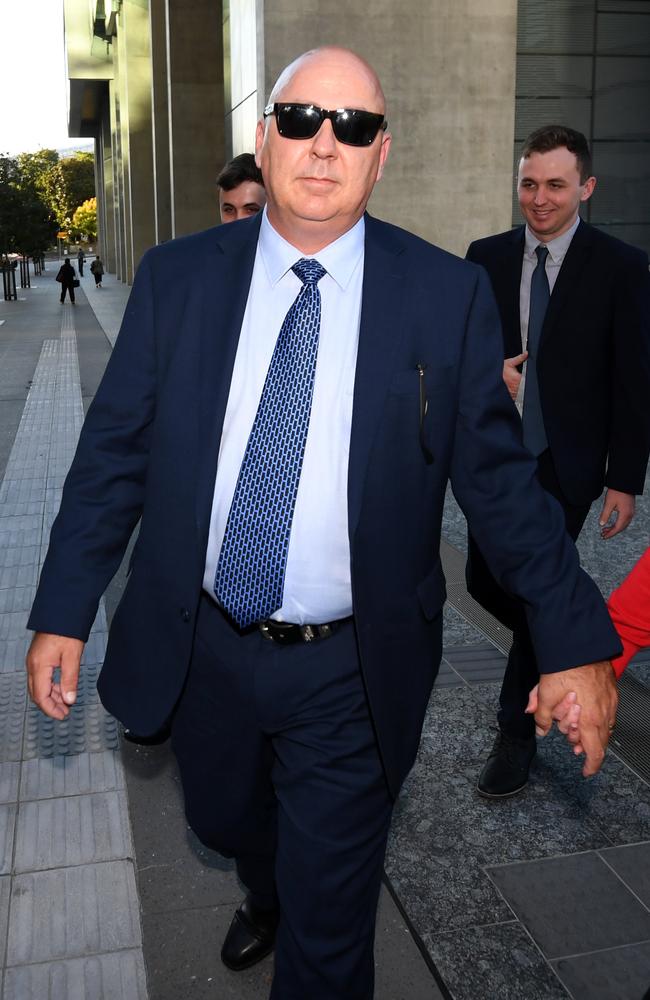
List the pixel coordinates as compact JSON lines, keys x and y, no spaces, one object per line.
{"x":283,"y":422}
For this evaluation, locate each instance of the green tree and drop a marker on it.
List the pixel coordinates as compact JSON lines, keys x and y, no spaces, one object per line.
{"x":26,"y":223}
{"x":84,"y":220}
{"x":34,"y":168}
{"x":64,"y":184}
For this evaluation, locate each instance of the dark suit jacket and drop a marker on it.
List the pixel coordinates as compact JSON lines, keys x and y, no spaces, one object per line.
{"x":149,"y":451}
{"x":594,"y":356}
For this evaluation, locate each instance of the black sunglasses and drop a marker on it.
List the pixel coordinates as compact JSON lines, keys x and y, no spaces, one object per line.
{"x":302,"y":121}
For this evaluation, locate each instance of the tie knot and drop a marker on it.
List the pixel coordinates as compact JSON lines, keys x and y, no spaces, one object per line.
{"x":542,"y":253}
{"x":308,"y":270}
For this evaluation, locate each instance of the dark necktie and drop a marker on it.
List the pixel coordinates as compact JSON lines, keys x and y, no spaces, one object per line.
{"x":532,"y":419}
{"x":249,"y":581}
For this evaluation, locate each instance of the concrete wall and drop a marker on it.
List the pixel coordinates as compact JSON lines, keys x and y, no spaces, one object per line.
{"x":196,"y":111}
{"x":448,"y":70}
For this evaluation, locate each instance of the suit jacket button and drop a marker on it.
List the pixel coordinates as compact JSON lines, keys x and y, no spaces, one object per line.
{"x":185,"y":615}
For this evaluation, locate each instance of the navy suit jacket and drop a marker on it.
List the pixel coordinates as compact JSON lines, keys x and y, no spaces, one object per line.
{"x":593,"y":359}
{"x":148,"y":452}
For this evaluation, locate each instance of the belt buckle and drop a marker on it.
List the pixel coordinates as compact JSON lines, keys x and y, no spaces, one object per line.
{"x":265,"y":630}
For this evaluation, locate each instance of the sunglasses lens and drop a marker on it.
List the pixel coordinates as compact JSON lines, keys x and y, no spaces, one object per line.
{"x":352,"y":127}
{"x":356,"y":128}
{"x":295,"y":122}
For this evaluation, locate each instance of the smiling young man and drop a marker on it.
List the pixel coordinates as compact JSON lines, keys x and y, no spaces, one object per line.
{"x":284,"y":421}
{"x":574,"y":309}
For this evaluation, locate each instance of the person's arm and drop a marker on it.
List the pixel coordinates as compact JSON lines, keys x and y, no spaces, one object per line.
{"x":101,"y":505}
{"x":629,"y":609}
{"x":629,"y":443}
{"x":520,"y":530}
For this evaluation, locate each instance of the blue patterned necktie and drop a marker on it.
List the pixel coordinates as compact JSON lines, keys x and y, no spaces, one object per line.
{"x":249,"y":581}
{"x":532,"y":419}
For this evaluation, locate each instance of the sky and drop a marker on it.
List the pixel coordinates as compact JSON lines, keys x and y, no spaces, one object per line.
{"x":33,"y":106}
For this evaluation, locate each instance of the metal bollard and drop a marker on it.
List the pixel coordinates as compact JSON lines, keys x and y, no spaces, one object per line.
{"x":24,"y":273}
{"x":9,"y":282}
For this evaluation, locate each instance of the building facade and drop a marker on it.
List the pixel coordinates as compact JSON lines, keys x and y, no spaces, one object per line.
{"x":169,"y":89}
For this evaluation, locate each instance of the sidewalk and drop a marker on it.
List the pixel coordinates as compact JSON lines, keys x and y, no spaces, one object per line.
{"x":544,"y":897}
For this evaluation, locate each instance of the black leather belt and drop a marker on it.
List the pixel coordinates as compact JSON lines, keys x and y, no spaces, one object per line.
{"x":286,"y":633}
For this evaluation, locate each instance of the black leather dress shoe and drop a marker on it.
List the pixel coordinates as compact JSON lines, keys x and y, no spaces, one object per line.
{"x":250,"y":937}
{"x":154,"y":740}
{"x":506,"y":769}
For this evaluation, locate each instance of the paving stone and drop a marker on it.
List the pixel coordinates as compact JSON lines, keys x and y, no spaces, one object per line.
{"x":13,"y":696}
{"x":614,"y":974}
{"x":632,"y":865}
{"x":12,"y":626}
{"x":74,"y":830}
{"x":22,"y":490}
{"x":17,"y":599}
{"x":95,"y":648}
{"x":14,"y":651}
{"x":13,"y":537}
{"x":70,"y":912}
{"x":479,"y":663}
{"x":19,"y":575}
{"x":586,"y":886}
{"x":88,"y":728}
{"x":22,"y":507}
{"x":7,"y":824}
{"x":447,"y":676}
{"x":9,"y":781}
{"x":192,"y":968}
{"x":119,"y":975}
{"x":71,"y":774}
{"x":494,"y":963}
{"x":5,"y":893}
{"x":456,"y":728}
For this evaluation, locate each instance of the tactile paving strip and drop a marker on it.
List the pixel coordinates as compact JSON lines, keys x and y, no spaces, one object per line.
{"x":72,"y":830}
{"x":88,"y":727}
{"x":72,"y":774}
{"x":118,"y":975}
{"x":13,"y":698}
{"x":71,"y":912}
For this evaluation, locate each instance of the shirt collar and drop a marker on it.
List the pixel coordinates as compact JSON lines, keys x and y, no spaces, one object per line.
{"x":339,"y":258}
{"x":557,"y":248}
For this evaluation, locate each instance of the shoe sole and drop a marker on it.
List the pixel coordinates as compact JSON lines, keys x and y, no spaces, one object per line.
{"x":501,"y":795}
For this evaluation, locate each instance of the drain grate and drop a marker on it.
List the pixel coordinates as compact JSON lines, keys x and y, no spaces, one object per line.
{"x":631,"y":739}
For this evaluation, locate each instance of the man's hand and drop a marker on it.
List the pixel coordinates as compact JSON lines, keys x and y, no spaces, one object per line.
{"x":594,"y":686}
{"x":623,"y":505}
{"x":45,"y":654}
{"x":566,"y":715}
{"x":511,"y":376}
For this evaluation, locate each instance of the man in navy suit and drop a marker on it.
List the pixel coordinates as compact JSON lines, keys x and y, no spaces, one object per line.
{"x":577,"y":319}
{"x":285,"y":593}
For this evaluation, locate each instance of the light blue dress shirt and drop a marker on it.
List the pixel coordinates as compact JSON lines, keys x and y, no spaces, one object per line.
{"x":317,"y":585}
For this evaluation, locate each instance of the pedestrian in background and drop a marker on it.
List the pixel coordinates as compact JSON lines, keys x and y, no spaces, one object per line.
{"x":97,"y":270}
{"x":80,"y":261}
{"x":67,"y":278}
{"x":241,"y":188}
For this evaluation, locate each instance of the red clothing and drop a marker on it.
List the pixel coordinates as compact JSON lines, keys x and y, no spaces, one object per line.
{"x":629,"y":608}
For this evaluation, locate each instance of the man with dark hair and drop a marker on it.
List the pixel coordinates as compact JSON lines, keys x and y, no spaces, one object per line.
{"x":548,"y":138}
{"x":241,"y":188}
{"x":283,"y":419}
{"x":574,"y":312}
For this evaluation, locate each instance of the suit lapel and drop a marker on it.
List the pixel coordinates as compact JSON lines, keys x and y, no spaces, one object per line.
{"x":381,"y":329}
{"x":514,"y":255}
{"x":575,"y":260}
{"x":225,"y":292}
